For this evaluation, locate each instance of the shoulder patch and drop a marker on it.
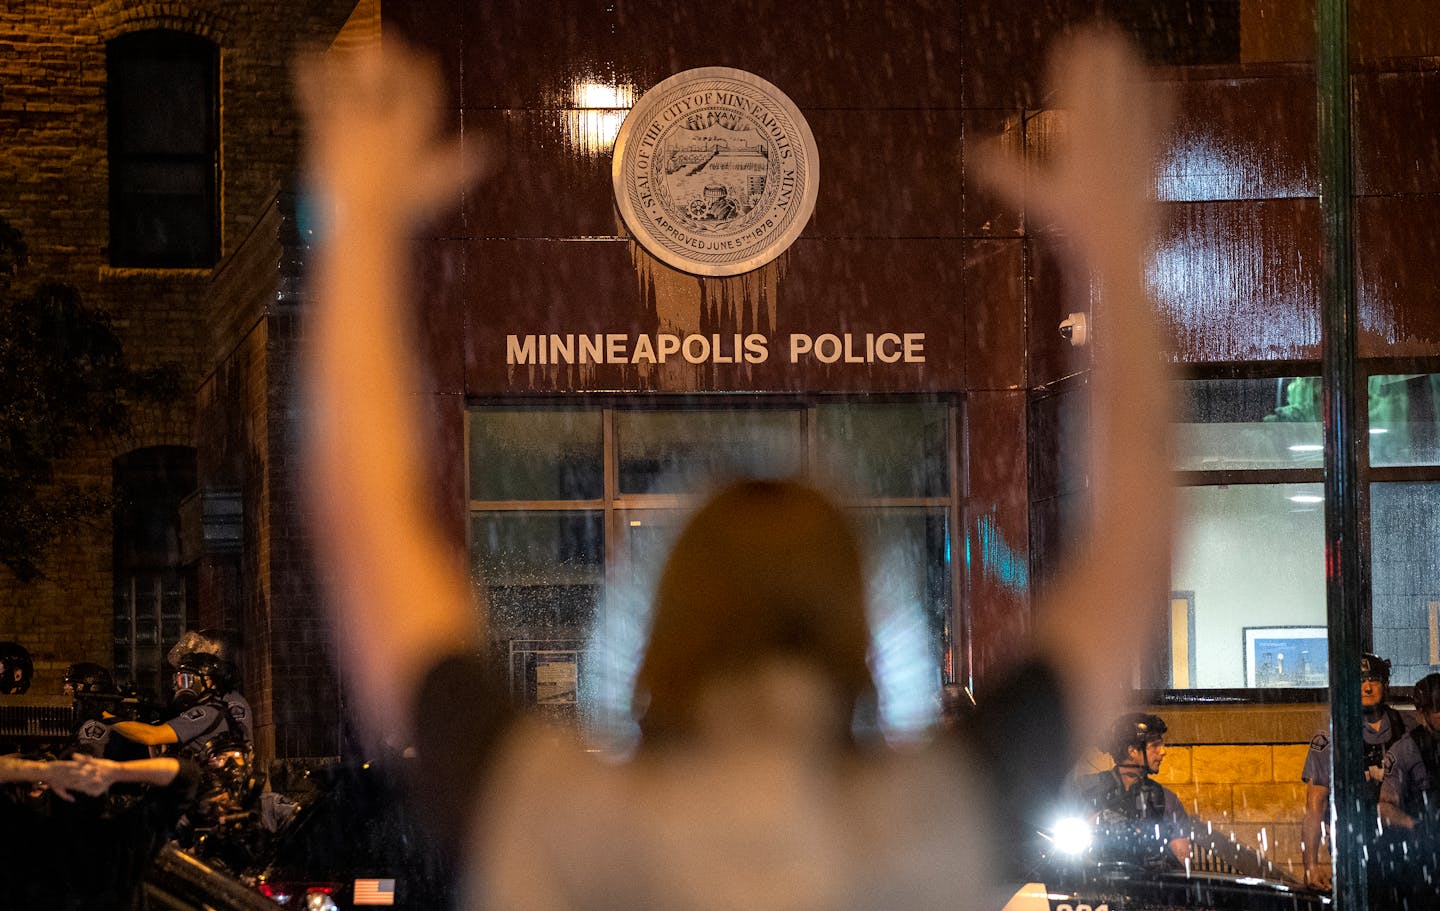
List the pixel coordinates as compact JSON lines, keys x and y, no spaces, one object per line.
{"x":1320,"y":742}
{"x":196,"y":714}
{"x":1389,"y":762}
{"x":93,"y":730}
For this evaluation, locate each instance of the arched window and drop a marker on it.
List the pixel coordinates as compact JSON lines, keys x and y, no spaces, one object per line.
{"x":164,"y":150}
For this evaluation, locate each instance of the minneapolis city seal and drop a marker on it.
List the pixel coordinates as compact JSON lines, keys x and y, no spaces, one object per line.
{"x":715,"y":171}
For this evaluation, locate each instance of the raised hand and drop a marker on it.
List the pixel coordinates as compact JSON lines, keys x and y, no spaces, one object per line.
{"x":374,"y":133}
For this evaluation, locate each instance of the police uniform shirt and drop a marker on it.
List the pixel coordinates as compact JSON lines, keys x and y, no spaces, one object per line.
{"x":1174,"y":820}
{"x":1407,"y":780}
{"x":92,"y":738}
{"x":1317,"y":760}
{"x":207,"y":718}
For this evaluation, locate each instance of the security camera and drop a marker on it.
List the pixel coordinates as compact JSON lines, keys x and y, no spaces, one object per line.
{"x":1075,"y":329}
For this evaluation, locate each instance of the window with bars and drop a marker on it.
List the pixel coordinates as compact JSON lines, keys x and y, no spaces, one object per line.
{"x":152,"y":592}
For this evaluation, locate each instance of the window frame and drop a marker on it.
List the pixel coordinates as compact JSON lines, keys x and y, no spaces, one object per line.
{"x":1367,"y":475}
{"x":151,"y":44}
{"x":617,"y":507}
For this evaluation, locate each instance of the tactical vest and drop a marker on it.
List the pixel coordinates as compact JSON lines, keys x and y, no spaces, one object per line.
{"x":1129,"y":821}
{"x":1375,"y":753}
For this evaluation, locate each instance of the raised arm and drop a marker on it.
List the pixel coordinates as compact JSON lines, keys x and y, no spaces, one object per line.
{"x":399,"y":598}
{"x":1097,"y":192}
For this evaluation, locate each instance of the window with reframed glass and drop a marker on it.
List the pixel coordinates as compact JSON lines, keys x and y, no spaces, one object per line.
{"x":572,"y":508}
{"x":1248,"y":576}
{"x":1403,"y":470}
{"x":1249,"y":549}
{"x":163,"y":110}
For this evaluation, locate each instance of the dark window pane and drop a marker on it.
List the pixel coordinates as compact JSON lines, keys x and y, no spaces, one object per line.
{"x":542,"y":570}
{"x":1405,"y":576}
{"x":163,"y":142}
{"x":532,"y":454}
{"x":683,"y":451}
{"x":164,"y":102}
{"x":1249,"y":424}
{"x":887,"y":450}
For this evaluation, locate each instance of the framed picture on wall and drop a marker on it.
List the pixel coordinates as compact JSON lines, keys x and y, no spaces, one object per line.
{"x":1286,"y":656}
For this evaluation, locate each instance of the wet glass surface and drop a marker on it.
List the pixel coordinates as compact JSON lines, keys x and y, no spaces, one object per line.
{"x":895,"y":450}
{"x":686,"y":451}
{"x":535,"y":454}
{"x":1227,"y":425}
{"x":1404,"y":419}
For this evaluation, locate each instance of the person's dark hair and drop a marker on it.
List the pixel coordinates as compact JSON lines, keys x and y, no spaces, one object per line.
{"x":1134,"y":730}
{"x":764,"y":569}
{"x":1427,"y":693}
{"x":1373,"y":667}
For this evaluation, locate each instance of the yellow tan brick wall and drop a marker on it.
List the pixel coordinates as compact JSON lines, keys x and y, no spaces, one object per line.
{"x":1238,"y":770}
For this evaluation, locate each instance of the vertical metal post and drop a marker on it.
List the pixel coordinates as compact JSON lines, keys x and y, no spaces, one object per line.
{"x":1345,"y":586}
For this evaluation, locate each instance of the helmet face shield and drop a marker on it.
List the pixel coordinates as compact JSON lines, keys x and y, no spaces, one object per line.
{"x":1374,"y":668}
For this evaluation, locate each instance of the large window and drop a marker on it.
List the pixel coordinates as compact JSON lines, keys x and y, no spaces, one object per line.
{"x":1248,"y":576}
{"x":1404,"y":474}
{"x":1248,"y":606}
{"x":573,"y":507}
{"x":164,"y":150}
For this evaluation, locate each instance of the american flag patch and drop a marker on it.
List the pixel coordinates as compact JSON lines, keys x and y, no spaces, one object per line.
{"x":374,"y":891}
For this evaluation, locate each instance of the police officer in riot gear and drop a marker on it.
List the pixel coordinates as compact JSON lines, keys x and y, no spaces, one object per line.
{"x":1409,"y":808}
{"x":1383,"y":728}
{"x":1137,"y":819}
{"x":93,"y":691}
{"x":1410,"y":789}
{"x":210,"y":714}
{"x":211,"y":725}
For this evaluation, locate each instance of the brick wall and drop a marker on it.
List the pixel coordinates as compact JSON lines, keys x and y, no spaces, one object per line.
{"x":1238,"y":769}
{"x":54,"y":188}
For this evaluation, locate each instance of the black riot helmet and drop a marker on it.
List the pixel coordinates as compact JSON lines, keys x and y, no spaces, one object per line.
{"x":15,"y":668}
{"x":1373,"y":667}
{"x":1135,"y":729}
{"x":204,"y":663}
{"x":86,"y":678}
{"x":1427,"y":693}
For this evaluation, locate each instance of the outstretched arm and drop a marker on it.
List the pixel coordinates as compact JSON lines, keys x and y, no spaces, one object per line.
{"x":1097,"y":192}
{"x":399,"y":598}
{"x":152,"y":735}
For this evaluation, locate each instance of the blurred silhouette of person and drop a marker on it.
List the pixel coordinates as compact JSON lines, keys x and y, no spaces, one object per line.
{"x":749,"y":787}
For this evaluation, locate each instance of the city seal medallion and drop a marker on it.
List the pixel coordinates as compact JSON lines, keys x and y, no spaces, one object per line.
{"x":715,"y":171}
